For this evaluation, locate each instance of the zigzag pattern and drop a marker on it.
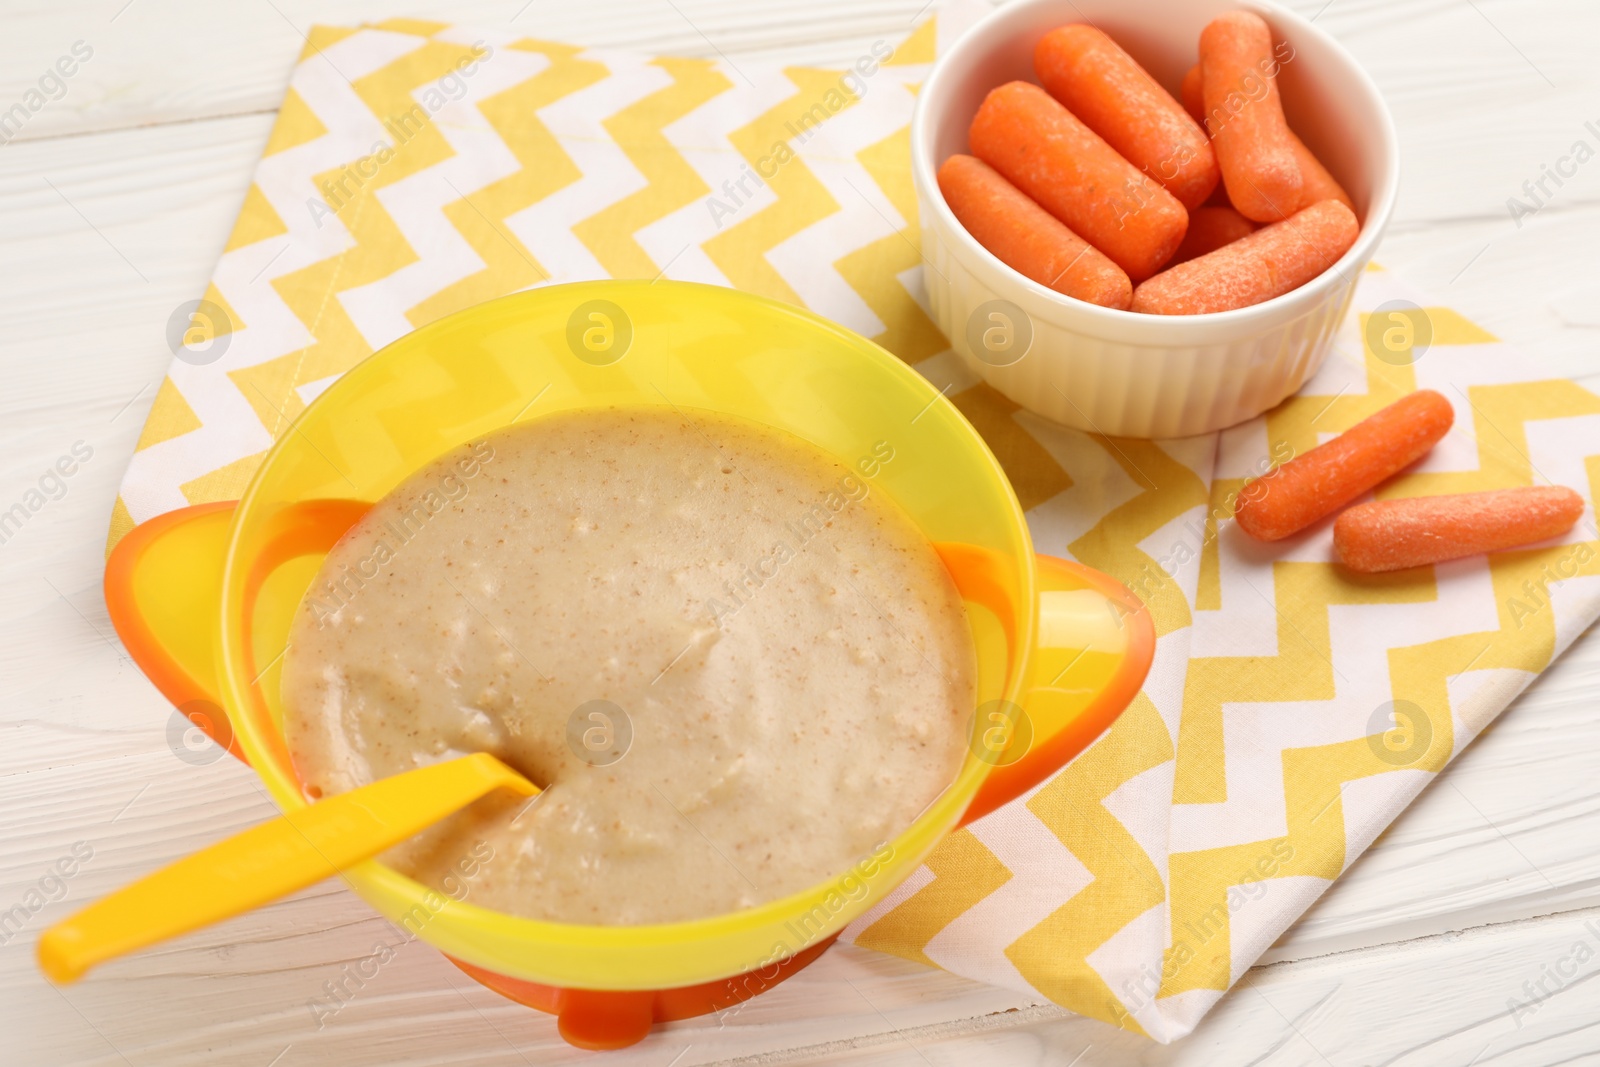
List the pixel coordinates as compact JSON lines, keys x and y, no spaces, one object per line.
{"x":610,"y":234}
{"x":1127,"y":883}
{"x":542,"y":168}
{"x":1168,"y":491}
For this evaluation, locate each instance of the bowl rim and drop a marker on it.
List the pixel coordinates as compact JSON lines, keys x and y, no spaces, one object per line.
{"x":461,"y":926}
{"x":1139,"y":327}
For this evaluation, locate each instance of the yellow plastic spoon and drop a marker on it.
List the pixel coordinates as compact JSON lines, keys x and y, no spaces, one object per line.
{"x":269,"y":861}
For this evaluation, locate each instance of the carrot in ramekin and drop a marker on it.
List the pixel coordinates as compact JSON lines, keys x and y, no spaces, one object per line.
{"x":1193,"y":94}
{"x":1026,"y":237}
{"x":1268,"y":263}
{"x":1209,"y":229}
{"x":1312,"y":486}
{"x":1245,"y":117}
{"x":1118,"y":99}
{"x":1048,"y":153}
{"x":1316,"y":184}
{"x":1390,"y":535}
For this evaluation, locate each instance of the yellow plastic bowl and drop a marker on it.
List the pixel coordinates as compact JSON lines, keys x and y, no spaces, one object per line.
{"x":666,"y":344}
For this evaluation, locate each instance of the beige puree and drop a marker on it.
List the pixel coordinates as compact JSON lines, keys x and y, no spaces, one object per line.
{"x":785,"y":647}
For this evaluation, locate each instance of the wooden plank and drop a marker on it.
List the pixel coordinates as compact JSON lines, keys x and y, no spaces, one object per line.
{"x":105,"y":236}
{"x":169,"y":61}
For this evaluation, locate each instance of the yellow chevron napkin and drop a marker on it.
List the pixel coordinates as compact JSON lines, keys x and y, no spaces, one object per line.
{"x":1293,"y":709}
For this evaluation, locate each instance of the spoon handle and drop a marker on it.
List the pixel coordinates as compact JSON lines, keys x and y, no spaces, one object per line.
{"x":269,"y":861}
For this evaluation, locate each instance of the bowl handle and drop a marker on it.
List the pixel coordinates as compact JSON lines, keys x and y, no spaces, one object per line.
{"x":163,"y":590}
{"x":1092,"y":652}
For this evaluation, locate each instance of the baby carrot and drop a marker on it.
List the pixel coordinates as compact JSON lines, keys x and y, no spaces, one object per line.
{"x":1265,"y":264}
{"x":1045,"y":151}
{"x":1026,"y":237}
{"x":1245,"y":117}
{"x":1309,"y":487}
{"x":1390,"y":535}
{"x":1194,"y":99}
{"x":1209,"y":229}
{"x":1117,"y":98}
{"x":1316,"y":183}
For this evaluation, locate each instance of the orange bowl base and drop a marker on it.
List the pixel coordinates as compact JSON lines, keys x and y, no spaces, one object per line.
{"x":603,"y":1019}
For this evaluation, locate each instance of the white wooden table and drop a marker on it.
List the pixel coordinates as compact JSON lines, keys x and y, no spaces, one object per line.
{"x":115,"y":200}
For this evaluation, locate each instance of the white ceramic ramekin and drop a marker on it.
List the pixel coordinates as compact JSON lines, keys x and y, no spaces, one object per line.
{"x":1117,"y":372}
